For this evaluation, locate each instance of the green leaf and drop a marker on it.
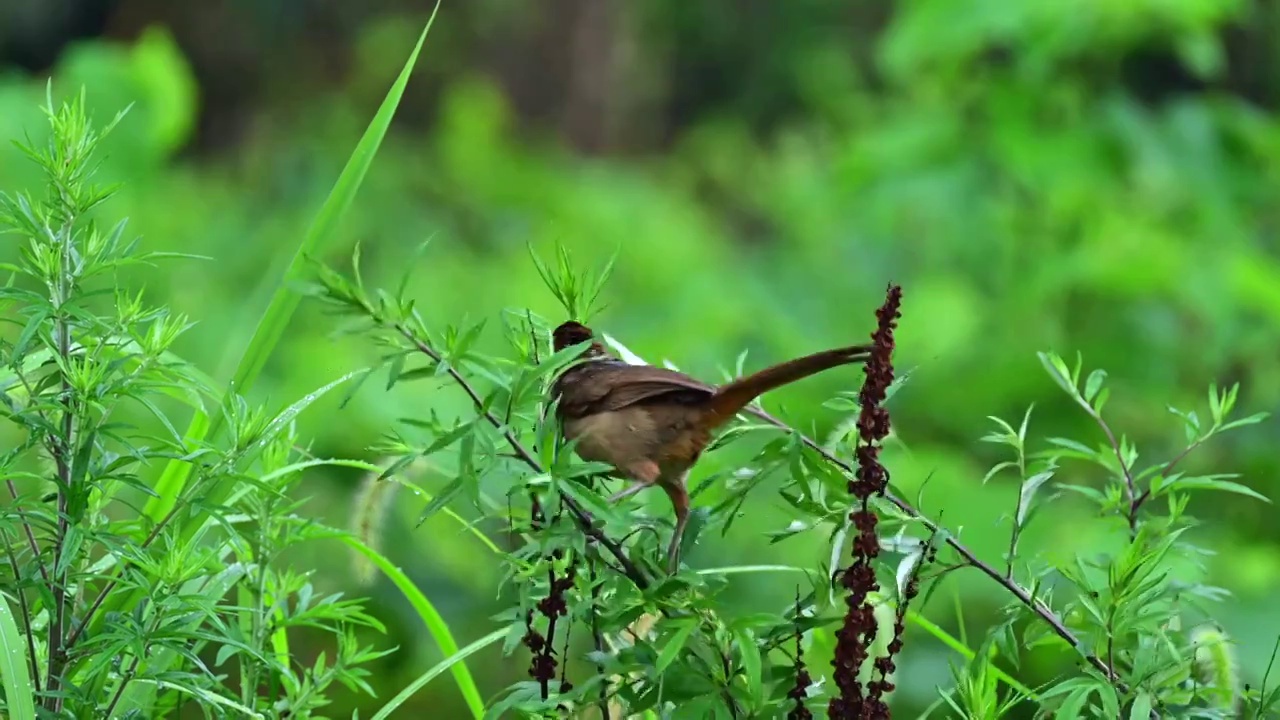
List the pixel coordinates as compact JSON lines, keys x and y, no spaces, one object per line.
{"x":1058,"y":370}
{"x":1075,"y":702}
{"x":1026,"y":495}
{"x":19,"y":350}
{"x":1094,"y":384}
{"x":271,"y":326}
{"x":217,"y":494}
{"x":436,"y":670}
{"x":282,"y":420}
{"x":591,"y":501}
{"x":1141,"y":707}
{"x":751,"y":664}
{"x":1077,"y":449}
{"x":14,"y":672}
{"x":1110,"y":700}
{"x":1253,"y":419}
{"x":205,"y":696}
{"x":140,"y":696}
{"x":442,"y":499}
{"x":1205,"y":482}
{"x":674,"y":646}
{"x":439,"y":630}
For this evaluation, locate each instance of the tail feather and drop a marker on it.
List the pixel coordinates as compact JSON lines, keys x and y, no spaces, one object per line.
{"x":732,"y":397}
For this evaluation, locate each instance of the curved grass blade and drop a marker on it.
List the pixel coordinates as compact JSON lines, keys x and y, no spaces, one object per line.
{"x":435,"y":671}
{"x":439,"y":630}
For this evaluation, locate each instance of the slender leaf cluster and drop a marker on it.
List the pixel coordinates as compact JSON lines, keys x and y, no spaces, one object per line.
{"x":119,"y":615}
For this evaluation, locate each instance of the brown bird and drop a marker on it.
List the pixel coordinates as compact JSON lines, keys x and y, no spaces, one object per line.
{"x":652,"y":423}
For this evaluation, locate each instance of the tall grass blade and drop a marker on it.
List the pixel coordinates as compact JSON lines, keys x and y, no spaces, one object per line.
{"x":14,"y":677}
{"x":285,"y":301}
{"x":439,"y":630}
{"x":449,"y":662}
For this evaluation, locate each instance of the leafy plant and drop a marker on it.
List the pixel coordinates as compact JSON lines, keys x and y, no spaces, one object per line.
{"x":91,"y":385}
{"x":659,"y":643}
{"x":126,"y":611}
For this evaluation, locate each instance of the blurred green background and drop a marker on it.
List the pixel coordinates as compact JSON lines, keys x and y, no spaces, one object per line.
{"x":1093,"y":176}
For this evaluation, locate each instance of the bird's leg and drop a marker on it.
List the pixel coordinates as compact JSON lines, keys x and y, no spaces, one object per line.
{"x":676,"y":490}
{"x":646,"y":474}
{"x":643,"y":475}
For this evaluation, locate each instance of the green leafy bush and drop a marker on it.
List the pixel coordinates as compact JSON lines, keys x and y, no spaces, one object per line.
{"x":1136,"y":614}
{"x":91,"y":385}
{"x":1005,"y":169}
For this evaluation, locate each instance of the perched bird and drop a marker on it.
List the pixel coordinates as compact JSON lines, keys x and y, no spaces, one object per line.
{"x":651,"y":423}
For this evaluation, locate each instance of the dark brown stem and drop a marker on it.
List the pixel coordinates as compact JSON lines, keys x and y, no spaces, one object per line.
{"x":548,"y":650}
{"x":581,"y":516}
{"x":597,"y":637}
{"x":1130,"y":487}
{"x":1166,"y":472}
{"x":106,"y":589}
{"x":1168,"y":468}
{"x":124,"y":683}
{"x":26,"y":612}
{"x":31,"y":537}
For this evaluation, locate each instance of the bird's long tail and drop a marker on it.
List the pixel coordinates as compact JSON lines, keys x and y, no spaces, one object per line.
{"x":731,"y":398}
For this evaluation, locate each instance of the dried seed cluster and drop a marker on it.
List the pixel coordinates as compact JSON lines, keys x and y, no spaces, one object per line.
{"x":855,"y":637}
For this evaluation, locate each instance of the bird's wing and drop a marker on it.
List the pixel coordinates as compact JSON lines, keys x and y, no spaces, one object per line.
{"x":613,"y":386}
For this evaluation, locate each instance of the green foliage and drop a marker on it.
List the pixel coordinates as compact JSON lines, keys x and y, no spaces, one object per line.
{"x":1009,"y":165}
{"x":205,"y":576}
{"x":89,"y":384}
{"x":1124,"y":611}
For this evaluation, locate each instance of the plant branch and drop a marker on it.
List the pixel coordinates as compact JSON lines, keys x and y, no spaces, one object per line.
{"x":124,"y":683}
{"x":1130,"y":488}
{"x":581,"y":516}
{"x":77,"y":631}
{"x":62,"y":449}
{"x":597,"y":637}
{"x":1036,"y":606}
{"x":25,"y":610}
{"x":1168,"y":468}
{"x":31,"y":536}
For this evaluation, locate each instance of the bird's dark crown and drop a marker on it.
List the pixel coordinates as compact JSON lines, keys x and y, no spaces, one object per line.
{"x":569,"y":334}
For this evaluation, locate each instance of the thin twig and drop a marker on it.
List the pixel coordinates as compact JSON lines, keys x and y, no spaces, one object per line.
{"x":1168,"y":468}
{"x":31,"y":537}
{"x":597,"y":637}
{"x":581,"y":516}
{"x":732,"y":704}
{"x":1130,"y":487}
{"x":1016,"y":530}
{"x":973,"y":560}
{"x":124,"y":682}
{"x":76,"y":632}
{"x":25,"y":610}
